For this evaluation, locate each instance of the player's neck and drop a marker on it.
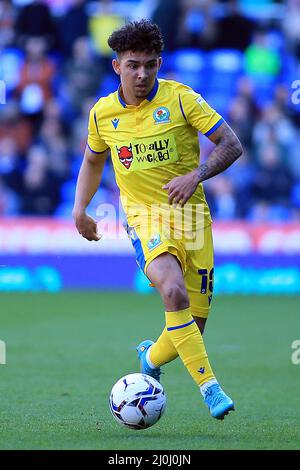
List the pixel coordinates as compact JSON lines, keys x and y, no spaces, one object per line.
{"x":129,"y":98}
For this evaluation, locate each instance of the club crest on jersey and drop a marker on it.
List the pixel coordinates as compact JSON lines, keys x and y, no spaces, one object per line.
{"x":154,"y":242}
{"x":125,"y":155}
{"x":161,"y":115}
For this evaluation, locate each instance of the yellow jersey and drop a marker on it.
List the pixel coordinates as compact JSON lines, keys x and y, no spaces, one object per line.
{"x":153,"y":142}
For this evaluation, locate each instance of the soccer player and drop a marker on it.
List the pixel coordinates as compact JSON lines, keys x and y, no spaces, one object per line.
{"x":150,"y":128}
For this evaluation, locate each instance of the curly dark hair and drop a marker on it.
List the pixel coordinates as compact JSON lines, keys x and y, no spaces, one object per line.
{"x":137,"y":36}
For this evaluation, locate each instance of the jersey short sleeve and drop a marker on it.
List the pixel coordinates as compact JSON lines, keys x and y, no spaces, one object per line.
{"x":198,"y":112}
{"x":95,"y":143}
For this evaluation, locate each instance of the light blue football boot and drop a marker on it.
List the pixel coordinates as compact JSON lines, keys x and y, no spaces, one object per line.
{"x":142,"y":349}
{"x":219,"y":404}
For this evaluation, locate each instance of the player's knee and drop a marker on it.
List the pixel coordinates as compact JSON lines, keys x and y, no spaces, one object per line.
{"x":175,"y":296}
{"x":200,"y":323}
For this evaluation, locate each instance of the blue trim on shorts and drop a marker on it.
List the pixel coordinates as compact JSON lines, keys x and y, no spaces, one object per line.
{"x":140,"y":257}
{"x":215,"y":127}
{"x":180,"y":326}
{"x":94,"y":150}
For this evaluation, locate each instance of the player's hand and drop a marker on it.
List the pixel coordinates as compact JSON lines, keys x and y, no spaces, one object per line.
{"x":181,"y":188}
{"x":87,"y":227}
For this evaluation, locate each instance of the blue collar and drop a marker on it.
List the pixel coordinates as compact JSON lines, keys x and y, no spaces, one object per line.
{"x":153,"y":91}
{"x":120,"y":97}
{"x":150,"y":96}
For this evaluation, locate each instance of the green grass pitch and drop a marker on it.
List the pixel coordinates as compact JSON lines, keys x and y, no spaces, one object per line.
{"x":65,"y":351}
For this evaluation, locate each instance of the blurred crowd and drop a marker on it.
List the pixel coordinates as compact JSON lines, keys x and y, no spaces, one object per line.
{"x":242,"y":56}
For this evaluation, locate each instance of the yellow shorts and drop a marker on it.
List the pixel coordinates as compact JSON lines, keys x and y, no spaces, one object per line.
{"x":196,"y":260}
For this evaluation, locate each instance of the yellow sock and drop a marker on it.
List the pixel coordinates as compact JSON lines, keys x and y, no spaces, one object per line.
{"x":188,"y":342}
{"x":163,"y":350}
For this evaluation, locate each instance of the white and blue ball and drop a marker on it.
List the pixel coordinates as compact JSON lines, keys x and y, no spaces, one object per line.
{"x":137,"y":401}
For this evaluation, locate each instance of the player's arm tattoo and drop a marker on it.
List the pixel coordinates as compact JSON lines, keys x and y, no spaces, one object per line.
{"x":228,"y":148}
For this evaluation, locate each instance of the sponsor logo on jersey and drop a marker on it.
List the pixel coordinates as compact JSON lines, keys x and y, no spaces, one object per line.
{"x":158,"y":151}
{"x":147,"y":153}
{"x":161,"y":115}
{"x":154,"y":242}
{"x":125,"y":155}
{"x":205,"y":107}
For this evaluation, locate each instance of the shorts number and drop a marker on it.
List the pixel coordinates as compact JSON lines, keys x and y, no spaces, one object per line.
{"x":206,"y":279}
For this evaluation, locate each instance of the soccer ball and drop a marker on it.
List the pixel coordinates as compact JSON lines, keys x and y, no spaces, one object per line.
{"x":137,"y":401}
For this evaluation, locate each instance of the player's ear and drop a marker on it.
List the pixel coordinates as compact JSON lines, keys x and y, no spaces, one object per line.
{"x":160,"y":61}
{"x":116,"y":66}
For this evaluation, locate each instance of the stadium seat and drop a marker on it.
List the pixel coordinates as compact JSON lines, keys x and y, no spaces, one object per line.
{"x":109,"y":84}
{"x":189,"y":60}
{"x":188,"y":67}
{"x":223,"y":68}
